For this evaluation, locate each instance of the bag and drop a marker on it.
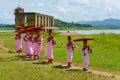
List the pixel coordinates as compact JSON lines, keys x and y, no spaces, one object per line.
{"x":89,"y":50}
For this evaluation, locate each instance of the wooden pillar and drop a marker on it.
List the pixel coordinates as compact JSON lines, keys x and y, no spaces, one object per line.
{"x":52,"y":22}
{"x":45,"y":21}
{"x":42,"y":21}
{"x":48,"y":22}
{"x":39,"y":21}
{"x":35,"y":20}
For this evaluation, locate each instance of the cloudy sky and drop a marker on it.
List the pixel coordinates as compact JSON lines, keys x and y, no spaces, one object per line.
{"x":66,"y":10}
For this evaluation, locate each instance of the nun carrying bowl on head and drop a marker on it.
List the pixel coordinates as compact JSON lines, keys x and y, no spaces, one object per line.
{"x":85,"y":50}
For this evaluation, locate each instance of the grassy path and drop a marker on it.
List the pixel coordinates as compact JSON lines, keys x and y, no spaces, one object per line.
{"x":4,"y":48}
{"x":104,"y":62}
{"x":97,"y":72}
{"x":75,"y":68}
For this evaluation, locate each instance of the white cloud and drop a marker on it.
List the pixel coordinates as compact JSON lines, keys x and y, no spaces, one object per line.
{"x":7,"y":16}
{"x":40,"y":4}
{"x":61,"y":9}
{"x":36,"y":5}
{"x":67,"y":10}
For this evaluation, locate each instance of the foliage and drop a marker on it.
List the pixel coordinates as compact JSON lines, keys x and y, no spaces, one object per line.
{"x":6,"y":25}
{"x":59,"y":23}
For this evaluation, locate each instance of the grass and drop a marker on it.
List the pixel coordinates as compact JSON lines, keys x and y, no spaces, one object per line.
{"x":105,"y":57}
{"x":36,"y":72}
{"x":6,"y":28}
{"x":106,"y":48}
{"x":12,"y":68}
{"x":73,"y":28}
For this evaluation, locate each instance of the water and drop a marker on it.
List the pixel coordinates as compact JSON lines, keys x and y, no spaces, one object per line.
{"x":93,"y":31}
{"x":7,"y":30}
{"x":81,"y":31}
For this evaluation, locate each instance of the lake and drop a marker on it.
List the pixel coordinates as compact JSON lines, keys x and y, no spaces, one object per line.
{"x":93,"y":31}
{"x":81,"y":31}
{"x":7,"y":30}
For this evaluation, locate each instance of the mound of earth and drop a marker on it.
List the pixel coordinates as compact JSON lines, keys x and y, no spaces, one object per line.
{"x":68,"y":33}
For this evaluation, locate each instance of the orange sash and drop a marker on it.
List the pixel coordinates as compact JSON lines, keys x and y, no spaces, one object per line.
{"x":30,"y":38}
{"x":36,"y":38}
{"x":50,"y":38}
{"x":85,"y":47}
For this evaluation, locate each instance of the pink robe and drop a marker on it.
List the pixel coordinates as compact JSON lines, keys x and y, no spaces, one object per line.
{"x":33,"y":41}
{"x":86,"y":57}
{"x":25,"y":44}
{"x":30,"y":46}
{"x":38,"y":46}
{"x":69,"y":52}
{"x":49,"y":49}
{"x":18,"y":42}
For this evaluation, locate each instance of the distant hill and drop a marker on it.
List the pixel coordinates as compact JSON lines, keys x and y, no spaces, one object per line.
{"x":6,"y":25}
{"x":59,"y":23}
{"x":108,"y":23}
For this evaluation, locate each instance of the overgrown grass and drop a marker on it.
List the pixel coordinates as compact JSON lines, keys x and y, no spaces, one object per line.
{"x":105,"y":56}
{"x":106,"y":51}
{"x":28,"y":71}
{"x":13,"y":68}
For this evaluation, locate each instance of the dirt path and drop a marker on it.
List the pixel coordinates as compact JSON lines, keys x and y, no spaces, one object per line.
{"x":97,"y":72}
{"x":68,"y":33}
{"x":107,"y":74}
{"x":2,"y":47}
